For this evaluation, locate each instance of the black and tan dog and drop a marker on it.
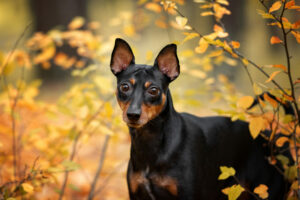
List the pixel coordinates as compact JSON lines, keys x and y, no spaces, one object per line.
{"x":178,"y":155}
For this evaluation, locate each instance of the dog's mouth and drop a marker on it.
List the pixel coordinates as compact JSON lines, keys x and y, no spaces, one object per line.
{"x":134,"y":124}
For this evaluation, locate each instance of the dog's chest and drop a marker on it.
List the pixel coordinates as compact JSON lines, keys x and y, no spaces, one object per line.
{"x":151,"y":182}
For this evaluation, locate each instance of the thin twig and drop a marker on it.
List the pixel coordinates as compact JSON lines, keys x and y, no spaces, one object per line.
{"x":240,"y":56}
{"x":107,"y":179}
{"x":289,"y":73}
{"x":74,"y":148}
{"x":100,"y":166}
{"x":15,"y":99}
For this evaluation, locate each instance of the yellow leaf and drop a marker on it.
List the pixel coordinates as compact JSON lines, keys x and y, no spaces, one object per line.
{"x":216,"y":53}
{"x":233,"y":192}
{"x":262,"y":191}
{"x":224,"y":2}
{"x":265,"y":15}
{"x":108,"y":109}
{"x":181,"y":21}
{"x":153,"y":7}
{"x":197,"y":73}
{"x":256,"y":125}
{"x":187,"y":53}
{"x":149,"y":56}
{"x":46,"y":54}
{"x":245,"y":61}
{"x":272,"y":76}
{"x":190,"y":36}
{"x":207,"y":13}
{"x":280,"y":141}
{"x":257,"y":90}
{"x":205,"y":6}
{"x":27,"y":187}
{"x":76,"y":23}
{"x":129,"y":30}
{"x":169,"y":6}
{"x":226,"y":172}
{"x":281,"y":67}
{"x":275,"y":6}
{"x":245,"y":102}
{"x":275,"y":40}
{"x":203,"y":45}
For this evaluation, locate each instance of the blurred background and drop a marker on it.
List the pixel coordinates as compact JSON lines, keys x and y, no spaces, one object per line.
{"x":83,"y":33}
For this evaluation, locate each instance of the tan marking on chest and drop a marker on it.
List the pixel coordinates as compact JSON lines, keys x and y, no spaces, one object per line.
{"x":165,"y":182}
{"x":168,"y":183}
{"x":136,"y":179}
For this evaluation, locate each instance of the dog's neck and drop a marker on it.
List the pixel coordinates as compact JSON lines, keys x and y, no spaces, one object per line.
{"x":149,"y":141}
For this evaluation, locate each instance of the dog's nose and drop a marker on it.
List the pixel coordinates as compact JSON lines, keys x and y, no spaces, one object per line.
{"x":134,"y":115}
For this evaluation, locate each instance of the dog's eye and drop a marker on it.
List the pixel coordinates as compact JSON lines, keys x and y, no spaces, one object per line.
{"x":154,"y":91}
{"x":124,"y":87}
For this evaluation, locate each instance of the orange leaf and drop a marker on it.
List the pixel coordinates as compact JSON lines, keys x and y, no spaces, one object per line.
{"x":297,"y":81}
{"x":220,"y":11}
{"x":270,"y":100}
{"x":289,"y":4}
{"x":281,"y":67}
{"x":275,"y":6}
{"x":235,"y":44}
{"x":296,"y":25}
{"x":245,"y":102}
{"x":280,"y":141}
{"x":161,"y":24}
{"x":296,"y":35}
{"x":76,"y":23}
{"x":272,"y":76}
{"x":203,"y":45}
{"x":262,"y":191}
{"x":219,"y":30}
{"x":289,"y":98}
{"x":153,"y":7}
{"x":275,"y":40}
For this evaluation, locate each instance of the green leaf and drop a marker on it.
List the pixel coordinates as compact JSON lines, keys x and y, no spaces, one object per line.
{"x":226,"y":172}
{"x":283,"y":159}
{"x":74,"y":187}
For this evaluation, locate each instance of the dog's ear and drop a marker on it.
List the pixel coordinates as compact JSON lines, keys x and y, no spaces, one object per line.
{"x":167,"y":61}
{"x":121,"y":56}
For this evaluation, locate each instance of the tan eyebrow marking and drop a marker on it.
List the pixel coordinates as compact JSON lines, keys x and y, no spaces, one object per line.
{"x":132,"y":81}
{"x":147,"y":84}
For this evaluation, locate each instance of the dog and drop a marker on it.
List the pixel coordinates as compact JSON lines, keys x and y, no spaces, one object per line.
{"x":178,"y":155}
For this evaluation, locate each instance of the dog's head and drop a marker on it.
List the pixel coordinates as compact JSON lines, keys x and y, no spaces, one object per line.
{"x":141,"y":89}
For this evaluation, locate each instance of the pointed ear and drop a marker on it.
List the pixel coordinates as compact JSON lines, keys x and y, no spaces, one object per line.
{"x":121,"y":56}
{"x":167,"y":61}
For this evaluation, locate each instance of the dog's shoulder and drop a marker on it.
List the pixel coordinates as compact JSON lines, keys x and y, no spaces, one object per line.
{"x":216,"y":128}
